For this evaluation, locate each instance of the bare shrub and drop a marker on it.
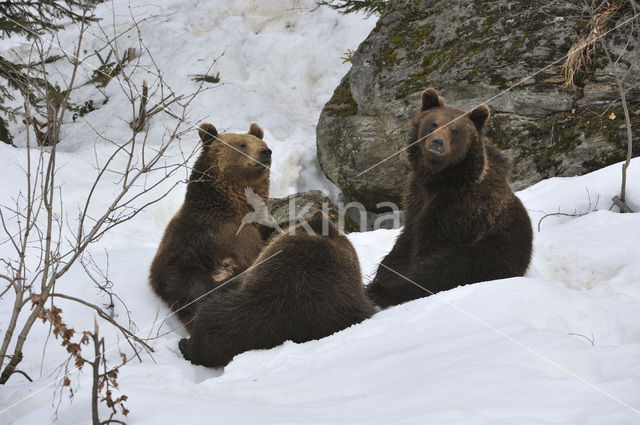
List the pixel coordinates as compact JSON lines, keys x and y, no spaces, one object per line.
{"x":47,"y":237}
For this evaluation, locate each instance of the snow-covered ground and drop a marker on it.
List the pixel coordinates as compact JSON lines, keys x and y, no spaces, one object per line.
{"x":558,"y":346}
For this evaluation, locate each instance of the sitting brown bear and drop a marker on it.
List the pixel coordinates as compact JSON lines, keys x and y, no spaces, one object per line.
{"x":463,"y":222}
{"x":202,"y":246}
{"x":303,"y":286}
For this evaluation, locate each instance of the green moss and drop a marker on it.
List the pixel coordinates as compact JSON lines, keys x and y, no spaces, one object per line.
{"x":342,"y":103}
{"x":490,"y":20}
{"x":559,"y":134}
{"x":614,"y":132}
{"x":388,"y":57}
{"x":555,"y":137}
{"x":406,"y":39}
{"x":443,"y":56}
{"x":407,"y":44}
{"x":477,"y":49}
{"x":502,"y":133}
{"x":603,"y":159}
{"x":444,"y":60}
{"x":411,"y":37}
{"x":562,"y":131}
{"x":423,"y":51}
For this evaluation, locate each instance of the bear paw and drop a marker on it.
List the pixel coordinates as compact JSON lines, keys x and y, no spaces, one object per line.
{"x":182,"y":345}
{"x":226,"y":270}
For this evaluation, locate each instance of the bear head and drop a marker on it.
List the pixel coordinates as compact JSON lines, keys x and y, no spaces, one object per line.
{"x":442,"y":136}
{"x":242,"y":158}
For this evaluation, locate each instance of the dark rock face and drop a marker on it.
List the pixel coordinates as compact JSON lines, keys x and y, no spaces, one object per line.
{"x":472,"y":53}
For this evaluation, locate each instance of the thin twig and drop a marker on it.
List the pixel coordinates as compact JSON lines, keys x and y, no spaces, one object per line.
{"x":106,"y":317}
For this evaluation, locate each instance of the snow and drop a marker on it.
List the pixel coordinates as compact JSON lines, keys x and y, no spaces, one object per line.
{"x":557,"y":346}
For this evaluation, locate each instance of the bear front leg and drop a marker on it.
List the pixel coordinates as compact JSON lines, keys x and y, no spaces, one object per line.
{"x":425,"y":275}
{"x":456,"y":265}
{"x":389,"y":280}
{"x":197,"y":351}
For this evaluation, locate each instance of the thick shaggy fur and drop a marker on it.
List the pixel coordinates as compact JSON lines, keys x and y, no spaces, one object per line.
{"x":464,"y":224}
{"x":302,"y":287}
{"x":200,"y":247}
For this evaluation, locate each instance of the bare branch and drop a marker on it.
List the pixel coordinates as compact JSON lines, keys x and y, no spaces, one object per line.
{"x":106,"y":317}
{"x":624,"y":208}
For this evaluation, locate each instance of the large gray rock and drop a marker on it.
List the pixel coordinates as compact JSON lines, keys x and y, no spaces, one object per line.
{"x":473,"y":52}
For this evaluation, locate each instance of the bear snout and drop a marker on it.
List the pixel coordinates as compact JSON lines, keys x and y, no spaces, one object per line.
{"x":265,"y":153}
{"x":437,"y":146}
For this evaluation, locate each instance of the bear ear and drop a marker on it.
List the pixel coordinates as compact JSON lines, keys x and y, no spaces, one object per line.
{"x":479,"y":116}
{"x":207,"y":133}
{"x":430,"y":99}
{"x":255,"y":130}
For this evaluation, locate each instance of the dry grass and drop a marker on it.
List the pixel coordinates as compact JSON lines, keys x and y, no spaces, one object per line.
{"x":582,"y":51}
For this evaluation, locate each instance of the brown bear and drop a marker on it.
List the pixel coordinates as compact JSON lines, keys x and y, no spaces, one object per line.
{"x":305,"y":285}
{"x":202,"y":245}
{"x":463,"y":222}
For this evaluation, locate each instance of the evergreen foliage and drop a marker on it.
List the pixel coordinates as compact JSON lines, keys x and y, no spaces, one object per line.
{"x":369,"y":7}
{"x":31,"y":18}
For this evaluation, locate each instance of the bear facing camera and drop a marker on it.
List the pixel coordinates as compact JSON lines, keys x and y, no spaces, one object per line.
{"x":206,"y":242}
{"x":464,"y":224}
{"x":305,"y":285}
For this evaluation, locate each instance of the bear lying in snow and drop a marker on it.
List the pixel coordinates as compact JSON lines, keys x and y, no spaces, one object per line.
{"x":200,"y":247}
{"x":303,"y":286}
{"x":463,"y":222}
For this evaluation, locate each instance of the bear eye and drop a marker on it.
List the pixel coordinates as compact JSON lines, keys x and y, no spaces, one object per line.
{"x":434,"y":125}
{"x":455,"y":131}
{"x":243,"y":145}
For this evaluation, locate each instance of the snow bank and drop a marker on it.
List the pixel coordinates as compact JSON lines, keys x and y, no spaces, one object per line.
{"x":556,"y":347}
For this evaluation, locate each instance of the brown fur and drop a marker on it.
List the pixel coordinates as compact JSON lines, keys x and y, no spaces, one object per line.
{"x":302,"y":287}
{"x":464,"y":223}
{"x":200,"y":247}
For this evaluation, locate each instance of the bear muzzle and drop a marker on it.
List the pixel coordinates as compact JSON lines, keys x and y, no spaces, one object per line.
{"x":262,"y":163}
{"x":265,"y":154}
{"x":437,"y":145}
{"x":264,"y":158}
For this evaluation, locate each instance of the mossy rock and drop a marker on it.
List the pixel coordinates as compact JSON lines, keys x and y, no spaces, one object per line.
{"x":472,"y":52}
{"x":342,"y":103}
{"x":304,"y":205}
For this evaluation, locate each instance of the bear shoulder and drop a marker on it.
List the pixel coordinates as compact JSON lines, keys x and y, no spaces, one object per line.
{"x":498,"y":160}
